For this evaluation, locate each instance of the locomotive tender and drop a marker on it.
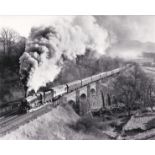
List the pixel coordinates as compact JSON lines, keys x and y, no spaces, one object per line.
{"x":54,"y":93}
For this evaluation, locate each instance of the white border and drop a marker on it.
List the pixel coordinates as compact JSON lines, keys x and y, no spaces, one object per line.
{"x":80,"y":7}
{"x":77,"y":7}
{"x":80,"y":147}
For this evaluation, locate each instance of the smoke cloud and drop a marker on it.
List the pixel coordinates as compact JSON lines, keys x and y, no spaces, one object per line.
{"x":43,"y":57}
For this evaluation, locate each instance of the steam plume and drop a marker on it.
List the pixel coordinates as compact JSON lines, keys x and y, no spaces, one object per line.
{"x":42,"y":59}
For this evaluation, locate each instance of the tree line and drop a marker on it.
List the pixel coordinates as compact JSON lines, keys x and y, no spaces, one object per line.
{"x":12,"y":45}
{"x":135,"y":89}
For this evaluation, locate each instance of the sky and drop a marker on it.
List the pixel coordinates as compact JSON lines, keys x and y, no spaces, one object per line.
{"x":125,"y":27}
{"x":23,"y":24}
{"x":128,"y":35}
{"x":139,"y":28}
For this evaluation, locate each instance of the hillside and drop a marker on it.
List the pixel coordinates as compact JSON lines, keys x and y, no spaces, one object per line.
{"x":60,"y":123}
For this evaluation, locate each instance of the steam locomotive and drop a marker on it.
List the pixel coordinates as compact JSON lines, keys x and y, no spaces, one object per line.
{"x":54,"y":93}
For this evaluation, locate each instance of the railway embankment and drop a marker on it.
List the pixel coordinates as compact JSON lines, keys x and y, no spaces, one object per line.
{"x":63,"y":123}
{"x":56,"y":124}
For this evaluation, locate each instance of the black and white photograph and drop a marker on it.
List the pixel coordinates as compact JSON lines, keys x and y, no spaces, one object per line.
{"x":77,"y":77}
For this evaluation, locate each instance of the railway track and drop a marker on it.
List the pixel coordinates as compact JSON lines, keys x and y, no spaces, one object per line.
{"x":6,"y":120}
{"x":12,"y":122}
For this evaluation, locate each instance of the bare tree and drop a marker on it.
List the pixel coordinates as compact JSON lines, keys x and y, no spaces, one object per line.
{"x":134,"y":88}
{"x":8,"y":38}
{"x":148,"y":92}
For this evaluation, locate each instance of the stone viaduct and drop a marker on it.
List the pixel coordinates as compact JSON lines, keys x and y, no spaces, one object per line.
{"x":92,"y":97}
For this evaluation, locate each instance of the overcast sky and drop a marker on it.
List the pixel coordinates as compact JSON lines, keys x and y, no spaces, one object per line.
{"x":140,"y":28}
{"x":126,"y":33}
{"x":130,"y":35}
{"x":23,"y":24}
